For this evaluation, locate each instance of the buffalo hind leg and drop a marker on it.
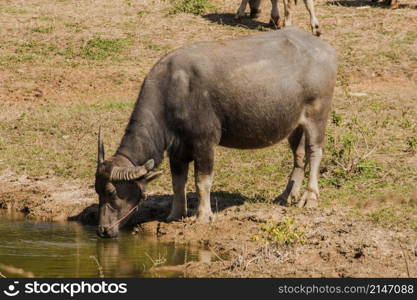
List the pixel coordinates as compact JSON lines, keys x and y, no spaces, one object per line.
{"x":292,"y":191}
{"x":314,"y":138}
{"x":179,"y":174}
{"x":274,"y":14}
{"x":203,"y":164}
{"x":287,"y":13}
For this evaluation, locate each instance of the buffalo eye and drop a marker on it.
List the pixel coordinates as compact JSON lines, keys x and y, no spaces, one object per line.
{"x":112,"y":193}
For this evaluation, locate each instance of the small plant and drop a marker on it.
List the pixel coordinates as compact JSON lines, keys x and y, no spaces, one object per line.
{"x":196,"y":7}
{"x":406,"y":123}
{"x":412,"y":144}
{"x":341,"y":148}
{"x":285,"y":232}
{"x":349,"y":154}
{"x":160,"y":260}
{"x":336,"y":118}
{"x":141,"y":13}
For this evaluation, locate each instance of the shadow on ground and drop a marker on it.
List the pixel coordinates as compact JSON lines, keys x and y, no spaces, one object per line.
{"x":360,"y":3}
{"x":89,"y":215}
{"x":157,"y":208}
{"x":229,"y":19}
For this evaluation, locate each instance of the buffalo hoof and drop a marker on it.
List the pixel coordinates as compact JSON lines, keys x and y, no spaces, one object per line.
{"x":316,"y":30}
{"x":204,"y":218}
{"x":175,"y":217}
{"x":308,"y":200}
{"x":238,"y":18}
{"x":281,"y":200}
{"x":286,"y":199}
{"x":274,"y":22}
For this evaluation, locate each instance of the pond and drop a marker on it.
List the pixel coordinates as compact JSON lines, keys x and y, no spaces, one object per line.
{"x":49,"y":249}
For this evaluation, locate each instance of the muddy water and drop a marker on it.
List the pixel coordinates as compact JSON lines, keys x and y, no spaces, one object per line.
{"x":42,"y":249}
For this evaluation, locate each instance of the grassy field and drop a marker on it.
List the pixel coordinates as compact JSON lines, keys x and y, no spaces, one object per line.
{"x":68,"y":66}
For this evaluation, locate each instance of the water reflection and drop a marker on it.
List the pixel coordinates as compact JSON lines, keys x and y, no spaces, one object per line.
{"x":69,"y":250}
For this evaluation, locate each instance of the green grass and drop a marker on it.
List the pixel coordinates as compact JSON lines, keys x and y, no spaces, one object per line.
{"x":40,"y":49}
{"x":142,"y":13}
{"x":59,"y":140}
{"x":15,"y":59}
{"x":156,"y":47}
{"x":196,"y":7}
{"x":14,"y":10}
{"x":29,"y":52}
{"x":97,"y":49}
{"x":384,"y":215}
{"x":74,"y":27}
{"x":394,"y":216}
{"x":43,"y":29}
{"x":103,"y":48}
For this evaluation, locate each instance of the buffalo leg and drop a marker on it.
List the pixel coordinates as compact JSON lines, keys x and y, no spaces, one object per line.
{"x":314,"y":135}
{"x":287,"y":13}
{"x":314,"y":23}
{"x":393,"y":4}
{"x":179,"y":174}
{"x":241,"y":11}
{"x":254,"y":8}
{"x":203,"y":164}
{"x":292,"y":191}
{"x":274,"y":13}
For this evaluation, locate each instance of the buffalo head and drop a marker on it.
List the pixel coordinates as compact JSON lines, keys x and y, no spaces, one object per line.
{"x":120,"y":189}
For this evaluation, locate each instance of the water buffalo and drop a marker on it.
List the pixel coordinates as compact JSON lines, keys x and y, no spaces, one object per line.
{"x":246,"y":93}
{"x":255,"y":10}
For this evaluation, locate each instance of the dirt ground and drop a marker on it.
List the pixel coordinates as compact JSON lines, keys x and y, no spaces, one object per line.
{"x":46,"y":199}
{"x":336,"y":245}
{"x":335,"y":241}
{"x":68,"y":66}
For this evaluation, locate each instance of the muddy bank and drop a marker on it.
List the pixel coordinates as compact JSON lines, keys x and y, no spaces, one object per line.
{"x":334,"y":242}
{"x":46,"y":198}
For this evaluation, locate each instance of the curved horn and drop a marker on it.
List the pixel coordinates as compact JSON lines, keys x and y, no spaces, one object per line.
{"x":100,"y":148}
{"x":131,"y":173}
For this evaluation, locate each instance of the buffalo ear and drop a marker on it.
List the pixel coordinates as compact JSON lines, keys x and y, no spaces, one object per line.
{"x":143,"y":181}
{"x":152,"y":175}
